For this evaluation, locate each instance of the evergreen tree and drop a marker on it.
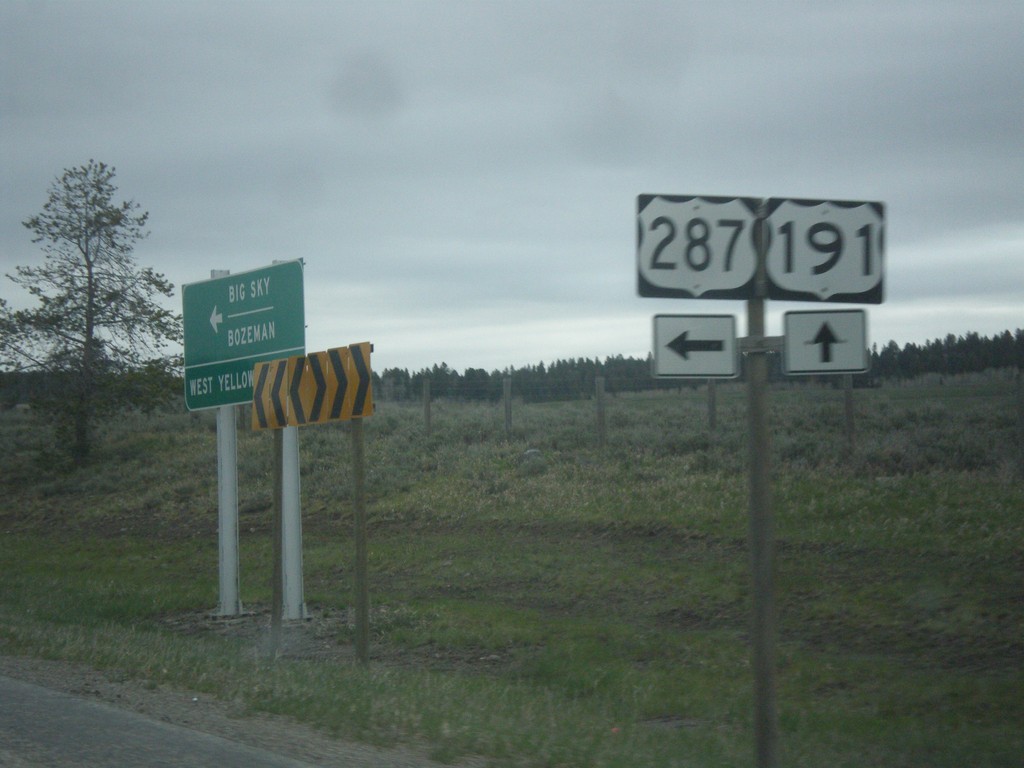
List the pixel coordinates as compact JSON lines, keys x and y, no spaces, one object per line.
{"x":97,"y":318}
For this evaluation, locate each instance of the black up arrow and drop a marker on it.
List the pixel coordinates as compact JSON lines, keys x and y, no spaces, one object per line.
{"x":683,"y":346}
{"x":826,"y":337}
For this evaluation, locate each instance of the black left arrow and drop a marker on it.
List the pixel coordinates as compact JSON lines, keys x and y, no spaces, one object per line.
{"x":297,"y":365}
{"x":826,"y":337}
{"x":277,"y":393}
{"x":684,"y":346}
{"x":257,"y":398}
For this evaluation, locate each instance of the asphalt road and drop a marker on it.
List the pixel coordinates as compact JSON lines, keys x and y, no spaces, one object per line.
{"x":60,"y":714}
{"x":40,"y":727}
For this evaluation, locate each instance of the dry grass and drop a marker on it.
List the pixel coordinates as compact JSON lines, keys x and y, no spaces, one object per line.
{"x":582,"y":607}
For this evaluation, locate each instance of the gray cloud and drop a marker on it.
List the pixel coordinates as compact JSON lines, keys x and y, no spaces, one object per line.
{"x":448,"y":168}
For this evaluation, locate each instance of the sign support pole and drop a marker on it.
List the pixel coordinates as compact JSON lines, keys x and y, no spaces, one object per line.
{"x":283,"y":398}
{"x":277,"y":535}
{"x":362,"y":566}
{"x":685,"y":251}
{"x":294,"y":606}
{"x":227,"y":502}
{"x":227,"y":508}
{"x":762,"y":534}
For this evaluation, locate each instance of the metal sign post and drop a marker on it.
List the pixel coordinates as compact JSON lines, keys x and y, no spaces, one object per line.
{"x":229,"y":321}
{"x":762,"y":533}
{"x":277,"y":529}
{"x":294,"y":605}
{"x":289,"y":392}
{"x":227,"y":511}
{"x":230,"y":603}
{"x":700,"y":247}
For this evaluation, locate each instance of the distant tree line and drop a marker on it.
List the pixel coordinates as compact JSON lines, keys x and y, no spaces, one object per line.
{"x":147,"y":387}
{"x":570,"y":379}
{"x":952,"y":355}
{"x":575,"y":378}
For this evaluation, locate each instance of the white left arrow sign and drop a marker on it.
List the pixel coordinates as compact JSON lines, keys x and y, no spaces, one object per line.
{"x":695,"y":346}
{"x":216,"y":318}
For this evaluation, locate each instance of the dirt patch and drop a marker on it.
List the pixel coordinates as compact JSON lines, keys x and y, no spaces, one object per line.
{"x":323,"y":635}
{"x":327,"y":635}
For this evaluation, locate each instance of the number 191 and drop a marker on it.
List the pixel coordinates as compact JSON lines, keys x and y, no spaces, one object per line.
{"x":827,"y":239}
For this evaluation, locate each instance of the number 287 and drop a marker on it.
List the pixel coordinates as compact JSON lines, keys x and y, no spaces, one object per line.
{"x":697,"y":251}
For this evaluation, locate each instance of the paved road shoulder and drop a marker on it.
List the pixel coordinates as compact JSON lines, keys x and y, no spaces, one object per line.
{"x":62,"y":685}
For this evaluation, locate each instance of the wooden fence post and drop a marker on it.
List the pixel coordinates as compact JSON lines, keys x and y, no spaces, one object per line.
{"x":712,"y":405}
{"x":508,"y":406}
{"x":848,"y":407}
{"x":1020,"y":421}
{"x":362,"y":591}
{"x":426,"y":405}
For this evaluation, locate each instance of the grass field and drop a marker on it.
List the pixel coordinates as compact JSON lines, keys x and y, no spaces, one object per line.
{"x":580,"y":607}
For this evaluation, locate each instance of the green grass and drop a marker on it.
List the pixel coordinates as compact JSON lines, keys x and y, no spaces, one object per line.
{"x":590,"y":608}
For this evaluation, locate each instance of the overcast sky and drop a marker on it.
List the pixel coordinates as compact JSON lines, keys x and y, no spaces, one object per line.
{"x":461,"y":178}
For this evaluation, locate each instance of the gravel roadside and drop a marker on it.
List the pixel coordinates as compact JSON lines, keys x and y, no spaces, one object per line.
{"x":202,"y":713}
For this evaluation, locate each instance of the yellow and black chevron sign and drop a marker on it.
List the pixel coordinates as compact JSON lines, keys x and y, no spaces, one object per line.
{"x":269,"y":390}
{"x":335,"y":385}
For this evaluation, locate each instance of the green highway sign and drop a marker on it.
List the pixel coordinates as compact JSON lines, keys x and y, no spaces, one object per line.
{"x":234,"y":321}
